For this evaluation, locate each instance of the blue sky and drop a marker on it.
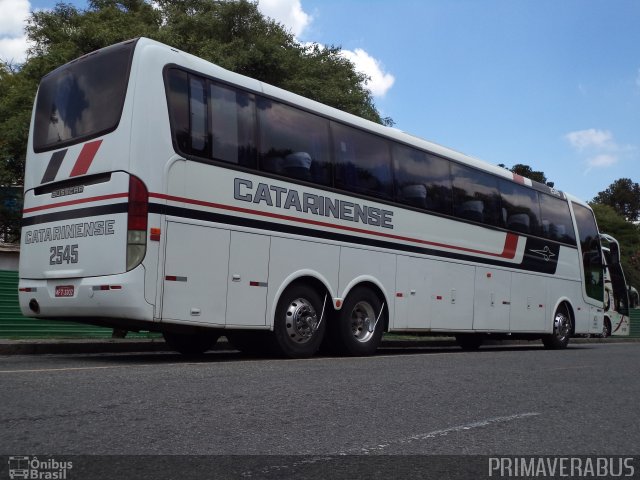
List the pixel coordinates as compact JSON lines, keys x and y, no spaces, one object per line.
{"x":554,"y":84}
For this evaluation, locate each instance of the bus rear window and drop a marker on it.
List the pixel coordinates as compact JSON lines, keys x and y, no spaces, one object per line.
{"x":82,"y":99}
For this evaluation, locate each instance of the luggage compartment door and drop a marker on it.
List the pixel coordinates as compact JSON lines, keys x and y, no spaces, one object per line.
{"x":195,"y":274}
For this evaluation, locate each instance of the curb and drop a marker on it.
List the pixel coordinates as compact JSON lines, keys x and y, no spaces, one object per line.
{"x":89,"y":346}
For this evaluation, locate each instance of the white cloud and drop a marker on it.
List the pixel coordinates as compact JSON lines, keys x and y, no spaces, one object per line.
{"x":598,"y":148}
{"x":14,"y":14}
{"x":13,"y":41}
{"x":293,"y":17}
{"x":287,"y":12}
{"x":602,"y":161}
{"x":591,"y":138}
{"x":380,"y":81}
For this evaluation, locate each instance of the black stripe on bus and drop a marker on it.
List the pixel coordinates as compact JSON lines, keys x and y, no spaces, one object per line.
{"x":545,"y":262}
{"x":76,"y":213}
{"x":540,"y":256}
{"x":53,"y":167}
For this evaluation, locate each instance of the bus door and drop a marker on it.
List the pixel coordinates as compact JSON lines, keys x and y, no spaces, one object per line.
{"x":616,"y":289}
{"x":592,"y":271}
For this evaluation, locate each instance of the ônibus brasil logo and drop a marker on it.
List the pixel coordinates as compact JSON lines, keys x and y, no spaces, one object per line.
{"x":34,"y":468}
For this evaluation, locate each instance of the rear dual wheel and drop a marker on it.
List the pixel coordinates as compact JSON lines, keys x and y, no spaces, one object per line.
{"x":357,"y":328}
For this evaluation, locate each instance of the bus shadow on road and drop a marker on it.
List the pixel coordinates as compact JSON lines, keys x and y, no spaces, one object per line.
{"x":229,"y":355}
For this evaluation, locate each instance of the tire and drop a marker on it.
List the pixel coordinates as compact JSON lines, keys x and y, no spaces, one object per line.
{"x":469,"y":341}
{"x":191,"y":343}
{"x":299,"y":325}
{"x":606,"y":328}
{"x":358,"y":326}
{"x":561,"y":330}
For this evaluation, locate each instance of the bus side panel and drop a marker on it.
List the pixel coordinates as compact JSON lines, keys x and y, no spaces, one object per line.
{"x":290,"y":259}
{"x":452,"y":296}
{"x":492,"y":300}
{"x":196,"y":272}
{"x":413,"y":299}
{"x":358,"y":265}
{"x":528,"y":313}
{"x":248,"y":279}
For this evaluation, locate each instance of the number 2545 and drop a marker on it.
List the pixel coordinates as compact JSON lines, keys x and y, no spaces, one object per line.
{"x":63,"y":254}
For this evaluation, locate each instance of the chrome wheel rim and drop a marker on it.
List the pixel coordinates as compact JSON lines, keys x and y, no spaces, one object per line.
{"x":301,"y":320}
{"x":363,"y":320}
{"x":562,"y":326}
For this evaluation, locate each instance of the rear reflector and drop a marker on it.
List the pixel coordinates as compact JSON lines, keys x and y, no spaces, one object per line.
{"x":154,"y":234}
{"x":106,"y":287}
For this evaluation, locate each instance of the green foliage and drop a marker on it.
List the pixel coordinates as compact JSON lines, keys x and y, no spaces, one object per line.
{"x":624,"y":196}
{"x":233,"y":34}
{"x":627,"y":234}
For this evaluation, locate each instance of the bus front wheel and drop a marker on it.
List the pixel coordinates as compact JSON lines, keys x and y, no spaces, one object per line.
{"x":561,"y":330}
{"x":299,"y":325}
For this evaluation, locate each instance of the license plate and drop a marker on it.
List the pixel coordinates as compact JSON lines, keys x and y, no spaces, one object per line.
{"x":64,"y":291}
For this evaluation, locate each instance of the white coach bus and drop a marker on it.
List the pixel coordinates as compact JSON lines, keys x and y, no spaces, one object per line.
{"x":165,"y":193}
{"x":616,"y":291}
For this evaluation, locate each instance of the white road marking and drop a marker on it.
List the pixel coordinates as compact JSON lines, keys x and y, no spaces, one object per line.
{"x":379,"y":448}
{"x":438,"y":433}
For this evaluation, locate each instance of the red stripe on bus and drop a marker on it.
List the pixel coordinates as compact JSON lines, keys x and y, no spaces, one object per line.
{"x":76,"y":202}
{"x":518,"y":178}
{"x":85,"y":158}
{"x":508,"y":250}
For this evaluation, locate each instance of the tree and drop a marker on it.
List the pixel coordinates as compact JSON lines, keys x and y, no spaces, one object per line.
{"x":624,"y":196}
{"x":627,"y":234}
{"x":528,"y":172}
{"x":233,"y":34}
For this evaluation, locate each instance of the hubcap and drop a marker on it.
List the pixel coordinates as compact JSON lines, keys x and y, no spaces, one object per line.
{"x":301,"y":321}
{"x":562,"y":326}
{"x":363,"y":321}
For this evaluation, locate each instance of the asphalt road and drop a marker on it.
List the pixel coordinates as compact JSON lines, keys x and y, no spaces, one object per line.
{"x":498,"y":401}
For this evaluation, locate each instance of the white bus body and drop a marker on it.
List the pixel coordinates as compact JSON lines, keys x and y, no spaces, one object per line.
{"x":125,"y":226}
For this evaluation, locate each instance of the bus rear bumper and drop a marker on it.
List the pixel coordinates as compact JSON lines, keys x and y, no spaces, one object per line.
{"x":113,"y":296}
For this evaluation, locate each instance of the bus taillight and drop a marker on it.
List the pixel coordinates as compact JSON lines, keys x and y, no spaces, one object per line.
{"x":137,"y":222}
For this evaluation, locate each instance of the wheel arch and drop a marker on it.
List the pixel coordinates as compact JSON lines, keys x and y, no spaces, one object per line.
{"x":568,"y":306}
{"x":302,"y":277}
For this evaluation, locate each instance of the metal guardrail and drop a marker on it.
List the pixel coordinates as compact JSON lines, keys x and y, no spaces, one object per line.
{"x":634,"y":323}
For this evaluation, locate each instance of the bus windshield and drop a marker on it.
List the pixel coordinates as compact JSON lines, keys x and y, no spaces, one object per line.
{"x":82,"y":99}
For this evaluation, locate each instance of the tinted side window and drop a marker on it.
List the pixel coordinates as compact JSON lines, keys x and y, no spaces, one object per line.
{"x":520,"y":208}
{"x":198,"y":111}
{"x":363,"y":162}
{"x":591,"y":252}
{"x":178,"y":99}
{"x":422,"y":180}
{"x":475,"y":195}
{"x":294,"y":143}
{"x":232,"y":125}
{"x":555,"y":218}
